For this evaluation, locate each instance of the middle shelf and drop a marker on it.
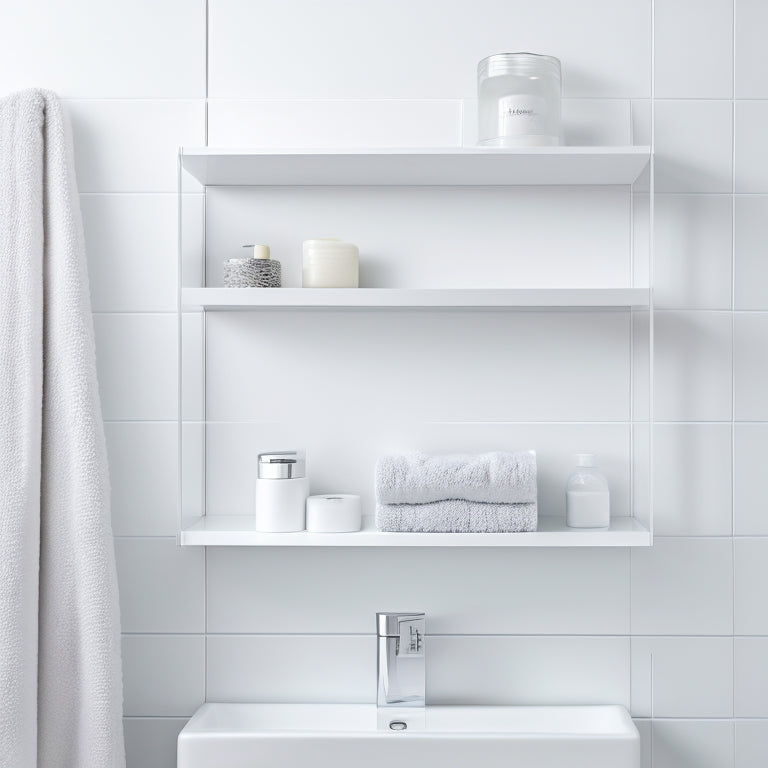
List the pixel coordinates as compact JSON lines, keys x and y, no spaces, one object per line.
{"x":239,"y":299}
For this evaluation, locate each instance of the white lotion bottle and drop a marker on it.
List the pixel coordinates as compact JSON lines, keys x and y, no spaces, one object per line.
{"x":282,"y":489}
{"x":587,"y":497}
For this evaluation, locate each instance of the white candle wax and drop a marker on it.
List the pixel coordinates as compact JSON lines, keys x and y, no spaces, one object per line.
{"x":329,"y":263}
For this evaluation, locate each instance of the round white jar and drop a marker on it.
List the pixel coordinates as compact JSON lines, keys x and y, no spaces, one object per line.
{"x":329,"y":263}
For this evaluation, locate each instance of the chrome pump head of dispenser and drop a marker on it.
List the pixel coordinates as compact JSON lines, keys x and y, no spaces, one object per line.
{"x":281,"y":465}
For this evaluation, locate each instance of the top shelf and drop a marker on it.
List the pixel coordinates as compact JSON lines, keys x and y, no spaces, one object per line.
{"x":541,"y":166}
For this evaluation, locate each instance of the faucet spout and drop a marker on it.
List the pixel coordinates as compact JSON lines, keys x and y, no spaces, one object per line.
{"x":401,"y":661}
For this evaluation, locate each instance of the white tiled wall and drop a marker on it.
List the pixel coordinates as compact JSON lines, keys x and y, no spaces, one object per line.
{"x":679,"y":632}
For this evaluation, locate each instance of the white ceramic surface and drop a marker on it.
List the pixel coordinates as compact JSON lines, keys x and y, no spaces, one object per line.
{"x":348,"y":735}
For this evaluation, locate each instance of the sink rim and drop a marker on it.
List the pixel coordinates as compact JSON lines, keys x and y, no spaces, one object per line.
{"x":227,"y":719}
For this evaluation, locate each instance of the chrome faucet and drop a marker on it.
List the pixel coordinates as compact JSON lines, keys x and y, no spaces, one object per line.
{"x":401,"y":668}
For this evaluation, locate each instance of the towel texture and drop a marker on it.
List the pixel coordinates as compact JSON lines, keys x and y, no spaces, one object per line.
{"x":457,"y":516}
{"x":419,"y":478}
{"x":60,"y":679}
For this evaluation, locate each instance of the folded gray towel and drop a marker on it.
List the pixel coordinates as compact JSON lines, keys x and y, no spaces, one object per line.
{"x":418,"y":478}
{"x":457,"y":516}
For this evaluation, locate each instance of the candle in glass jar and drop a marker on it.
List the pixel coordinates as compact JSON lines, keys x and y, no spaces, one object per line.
{"x":329,"y":263}
{"x":518,"y":100}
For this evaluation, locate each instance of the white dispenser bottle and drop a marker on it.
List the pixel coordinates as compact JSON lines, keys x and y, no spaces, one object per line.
{"x":281,"y":492}
{"x":587,"y":498}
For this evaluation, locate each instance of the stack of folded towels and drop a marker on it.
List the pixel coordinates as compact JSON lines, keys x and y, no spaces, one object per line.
{"x":460,"y":493}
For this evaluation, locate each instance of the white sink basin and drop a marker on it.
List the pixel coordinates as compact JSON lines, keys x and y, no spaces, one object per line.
{"x":351,"y":735}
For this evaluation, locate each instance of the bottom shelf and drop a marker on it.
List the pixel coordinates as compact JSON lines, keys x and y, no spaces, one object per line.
{"x":239,"y":531}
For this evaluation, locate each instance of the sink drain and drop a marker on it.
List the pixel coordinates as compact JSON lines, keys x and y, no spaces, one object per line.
{"x":398,"y":725}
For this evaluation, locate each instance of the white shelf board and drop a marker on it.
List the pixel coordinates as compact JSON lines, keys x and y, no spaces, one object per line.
{"x":420,"y":166}
{"x":238,"y":299}
{"x":239,"y":531}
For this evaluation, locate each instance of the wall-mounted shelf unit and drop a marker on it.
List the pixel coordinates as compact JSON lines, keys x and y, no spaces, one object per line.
{"x":234,"y":178}
{"x":239,"y":531}
{"x":243,"y":299}
{"x":402,"y":167}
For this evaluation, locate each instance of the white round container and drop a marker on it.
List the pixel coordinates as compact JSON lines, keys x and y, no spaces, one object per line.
{"x":518,"y":98}
{"x":329,"y":263}
{"x":281,"y":492}
{"x":334,"y":513}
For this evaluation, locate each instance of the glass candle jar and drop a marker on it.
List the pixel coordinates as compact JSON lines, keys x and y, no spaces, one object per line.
{"x":519,"y":100}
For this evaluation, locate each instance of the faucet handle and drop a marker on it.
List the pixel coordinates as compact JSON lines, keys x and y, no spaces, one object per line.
{"x":408,"y":628}
{"x":416,"y":644}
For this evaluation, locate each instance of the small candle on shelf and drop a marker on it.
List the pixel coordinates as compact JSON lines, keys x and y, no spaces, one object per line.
{"x":329,"y":263}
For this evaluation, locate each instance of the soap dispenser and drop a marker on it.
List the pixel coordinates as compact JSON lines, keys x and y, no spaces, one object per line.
{"x":282,"y":488}
{"x":587,"y":498}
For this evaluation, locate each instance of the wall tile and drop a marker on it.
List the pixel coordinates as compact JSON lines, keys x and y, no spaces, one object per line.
{"x":445,"y":356}
{"x":162,"y":586}
{"x":692,"y":377}
{"x":243,"y":597}
{"x":150,"y":742}
{"x":131,"y":245}
{"x":751,"y":366}
{"x":751,"y":490}
{"x":609,"y":57}
{"x":528,"y":670}
{"x":163,"y":675}
{"x":751,"y":743}
{"x":137,"y":366}
{"x":692,"y":252}
{"x":682,"y":676}
{"x":641,"y":380}
{"x":143,"y":468}
{"x":683,"y":587}
{"x":601,"y":122}
{"x":692,"y":744}
{"x":345,"y":124}
{"x":684,"y":41}
{"x":751,"y":676}
{"x":641,"y":121}
{"x":192,"y":390}
{"x":751,"y":20}
{"x":93,"y":52}
{"x":291,"y":668}
{"x":751,"y":273}
{"x":751,"y":151}
{"x":132,"y":146}
{"x":693,"y":146}
{"x":751,"y":607}
{"x":692,"y":480}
